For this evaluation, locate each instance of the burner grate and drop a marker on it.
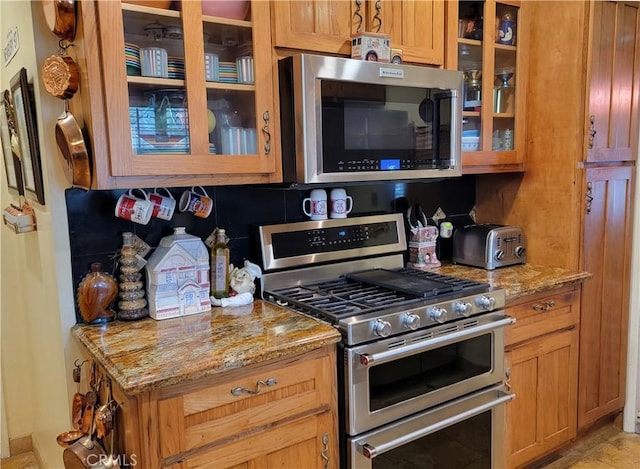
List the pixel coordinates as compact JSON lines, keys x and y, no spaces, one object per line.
{"x":341,"y":298}
{"x":353,"y":294}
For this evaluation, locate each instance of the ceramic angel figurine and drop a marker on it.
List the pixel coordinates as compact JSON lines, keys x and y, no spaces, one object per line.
{"x":242,"y":286}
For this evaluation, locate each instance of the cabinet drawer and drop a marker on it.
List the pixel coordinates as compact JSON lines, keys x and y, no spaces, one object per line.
{"x":246,"y":402}
{"x":543,"y":313}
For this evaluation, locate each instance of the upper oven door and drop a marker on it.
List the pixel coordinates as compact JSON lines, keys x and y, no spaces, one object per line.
{"x":393,"y":378}
{"x":366,"y":121}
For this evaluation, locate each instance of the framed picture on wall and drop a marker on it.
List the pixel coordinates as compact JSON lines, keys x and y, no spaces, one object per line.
{"x":12,"y":165}
{"x":27,"y":132}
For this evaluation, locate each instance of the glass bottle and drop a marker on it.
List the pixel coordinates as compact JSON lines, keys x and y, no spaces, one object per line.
{"x":220,"y":265}
{"x":96,"y":293}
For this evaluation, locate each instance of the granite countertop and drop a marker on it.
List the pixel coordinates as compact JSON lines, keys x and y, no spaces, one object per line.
{"x":517,"y":280}
{"x":148,"y":354}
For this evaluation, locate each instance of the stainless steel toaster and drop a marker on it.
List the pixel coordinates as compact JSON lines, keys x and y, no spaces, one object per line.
{"x":489,"y":246}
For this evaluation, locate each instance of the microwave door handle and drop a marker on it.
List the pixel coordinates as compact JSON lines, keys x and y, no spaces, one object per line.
{"x":370,"y":451}
{"x":367,"y":359}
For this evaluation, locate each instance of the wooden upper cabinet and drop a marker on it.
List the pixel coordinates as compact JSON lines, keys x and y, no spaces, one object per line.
{"x":319,"y":26}
{"x":488,"y":42}
{"x":614,"y":88}
{"x":416,"y":27}
{"x":189,"y":116}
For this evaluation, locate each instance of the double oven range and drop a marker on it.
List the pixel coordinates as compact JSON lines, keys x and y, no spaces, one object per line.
{"x":421,"y":361}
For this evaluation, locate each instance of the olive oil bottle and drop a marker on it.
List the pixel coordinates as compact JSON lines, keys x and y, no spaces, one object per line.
{"x":220,"y":265}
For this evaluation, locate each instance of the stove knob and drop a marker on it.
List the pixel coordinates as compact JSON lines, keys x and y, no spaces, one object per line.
{"x":499,"y":254}
{"x":520,"y":251}
{"x":486,"y":302}
{"x":411,"y":321}
{"x":463,"y":309}
{"x":438,"y":314}
{"x":382,"y":328}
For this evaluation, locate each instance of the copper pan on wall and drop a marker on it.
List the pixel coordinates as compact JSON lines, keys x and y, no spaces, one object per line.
{"x":61,"y":78}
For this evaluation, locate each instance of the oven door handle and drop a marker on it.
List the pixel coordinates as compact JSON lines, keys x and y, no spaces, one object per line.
{"x":371,"y":451}
{"x":367,"y":359}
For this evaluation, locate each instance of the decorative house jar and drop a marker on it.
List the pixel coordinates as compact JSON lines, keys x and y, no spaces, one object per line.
{"x":177,"y":274}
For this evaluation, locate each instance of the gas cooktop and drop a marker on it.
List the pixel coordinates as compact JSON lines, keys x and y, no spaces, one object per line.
{"x":374,"y":290}
{"x":350,"y":273}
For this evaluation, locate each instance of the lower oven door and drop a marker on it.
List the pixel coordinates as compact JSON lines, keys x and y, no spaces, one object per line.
{"x":393,"y":378}
{"x":466,"y":432}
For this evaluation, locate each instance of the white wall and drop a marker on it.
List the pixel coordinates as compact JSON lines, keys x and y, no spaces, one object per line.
{"x":632,"y":405}
{"x":37,"y":308}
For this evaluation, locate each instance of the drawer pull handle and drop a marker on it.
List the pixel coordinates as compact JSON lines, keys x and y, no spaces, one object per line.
{"x":544,"y":307}
{"x":240,"y":390}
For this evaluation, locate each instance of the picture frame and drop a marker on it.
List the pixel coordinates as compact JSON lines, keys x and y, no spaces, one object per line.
{"x":27,"y":134}
{"x":12,"y":164}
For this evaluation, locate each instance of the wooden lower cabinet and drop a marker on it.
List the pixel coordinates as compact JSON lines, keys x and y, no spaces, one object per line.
{"x":542,"y":370}
{"x":278,"y":414}
{"x":605,"y":297}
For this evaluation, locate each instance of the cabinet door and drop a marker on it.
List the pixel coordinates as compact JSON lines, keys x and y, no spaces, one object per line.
{"x":316,"y":25}
{"x":187,"y":95}
{"x":543,"y":376}
{"x":304,"y":443}
{"x":415,"y":27}
{"x":605,"y":307}
{"x":491,"y":41}
{"x":614,"y":90}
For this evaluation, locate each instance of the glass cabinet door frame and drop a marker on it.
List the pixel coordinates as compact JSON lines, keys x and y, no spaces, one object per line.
{"x":487,"y":160}
{"x":198,"y":161}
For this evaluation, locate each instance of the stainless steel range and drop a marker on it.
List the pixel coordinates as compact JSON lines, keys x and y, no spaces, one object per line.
{"x":421,"y":355}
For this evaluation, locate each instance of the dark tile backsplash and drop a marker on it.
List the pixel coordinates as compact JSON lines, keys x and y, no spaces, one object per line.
{"x":96,"y":233}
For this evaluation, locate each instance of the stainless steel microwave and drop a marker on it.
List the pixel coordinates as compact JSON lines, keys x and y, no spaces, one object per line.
{"x":346,"y":120}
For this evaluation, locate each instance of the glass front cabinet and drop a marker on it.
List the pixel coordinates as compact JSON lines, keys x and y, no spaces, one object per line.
{"x":187,"y":92}
{"x":486,"y":41}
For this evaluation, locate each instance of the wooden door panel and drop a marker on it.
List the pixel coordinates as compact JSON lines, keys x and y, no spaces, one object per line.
{"x":316,"y":25}
{"x":615,"y":78}
{"x":544,"y":379}
{"x":605,"y":309}
{"x":416,"y":27}
{"x":523,"y":410}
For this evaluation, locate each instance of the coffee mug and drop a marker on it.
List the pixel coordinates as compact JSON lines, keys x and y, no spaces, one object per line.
{"x":163,"y":205}
{"x":341,"y":204}
{"x":199,"y":204}
{"x":315,"y":206}
{"x":134,"y":208}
